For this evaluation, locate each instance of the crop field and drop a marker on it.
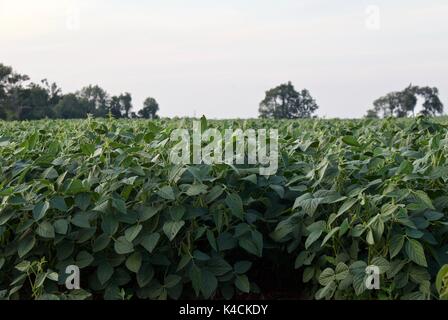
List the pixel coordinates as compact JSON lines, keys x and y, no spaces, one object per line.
{"x":103,"y":197}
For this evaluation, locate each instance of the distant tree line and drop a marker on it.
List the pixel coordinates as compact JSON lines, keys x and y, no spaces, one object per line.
{"x":402,"y":104}
{"x":21,"y":99}
{"x":284,"y":102}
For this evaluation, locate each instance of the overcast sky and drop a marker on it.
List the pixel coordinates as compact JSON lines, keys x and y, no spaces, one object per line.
{"x":219,"y":57}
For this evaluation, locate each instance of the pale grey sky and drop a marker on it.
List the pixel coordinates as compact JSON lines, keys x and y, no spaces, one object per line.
{"x":219,"y":57}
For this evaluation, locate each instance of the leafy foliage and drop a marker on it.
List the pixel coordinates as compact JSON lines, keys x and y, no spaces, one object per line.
{"x":103,"y":195}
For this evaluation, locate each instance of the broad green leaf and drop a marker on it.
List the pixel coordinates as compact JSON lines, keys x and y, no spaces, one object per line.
{"x":123,"y":246}
{"x":235,"y":205}
{"x":132,"y":232}
{"x":61,"y":226}
{"x":45,"y":230}
{"x":327,"y":276}
{"x":346,"y":206}
{"x":396,"y":244}
{"x":167,"y":193}
{"x":242,"y":283}
{"x":312,"y":238}
{"x":40,"y":209}
{"x":415,"y":252}
{"x":25,"y":245}
{"x":172,"y":228}
{"x":150,"y":242}
{"x":134,"y":262}
{"x":350,"y":140}
{"x":329,"y":235}
{"x":104,"y":272}
{"x":209,"y":284}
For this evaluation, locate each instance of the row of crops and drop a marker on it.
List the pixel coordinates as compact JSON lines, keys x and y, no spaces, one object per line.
{"x":102,"y":195}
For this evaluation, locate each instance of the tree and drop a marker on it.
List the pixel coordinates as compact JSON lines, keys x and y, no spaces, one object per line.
{"x":432,"y":104}
{"x":126,"y":104}
{"x":115,"y":107}
{"x":11,"y":83}
{"x":97,"y":97}
{"x":35,"y":103}
{"x":402,"y":103}
{"x":121,"y":105}
{"x":149,"y":110}
{"x":372,"y":114}
{"x":284,"y":102}
{"x":73,"y":107}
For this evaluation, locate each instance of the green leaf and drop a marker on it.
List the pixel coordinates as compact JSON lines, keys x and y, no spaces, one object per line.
{"x":346,"y":206}
{"x":381,"y":263}
{"x":134,"y":262}
{"x":25,"y":245}
{"x":327,"y":276}
{"x":196,"y":189}
{"x":75,"y":187}
{"x":58,"y":203}
{"x":312,"y":238}
{"x":120,"y":205}
{"x":84,"y":259}
{"x":81,"y":220}
{"x":442,"y":278}
{"x":22,"y":266}
{"x":209,"y":284}
{"x":242,"y":283}
{"x":396,"y":244}
{"x":123,"y":246}
{"x":45,"y":230}
{"x":235,"y":204}
{"x":308,"y":274}
{"x":150,"y":242}
{"x":196,"y":279}
{"x":329,"y":235}
{"x":132,"y":232}
{"x":104,"y":272}
{"x":415,"y":252}
{"x":350,"y":140}
{"x":40,"y":209}
{"x":61,"y":226}
{"x":101,"y":242}
{"x":212,"y":240}
{"x":369,"y":238}
{"x":341,"y":271}
{"x":424,"y":199}
{"x":172,"y":228}
{"x":82,"y":201}
{"x":253,"y":245}
{"x":167,"y":193}
{"x":204,"y":124}
{"x":327,"y":291}
{"x":214,"y":194}
{"x":172,"y":280}
{"x":145,"y":275}
{"x":242,"y":267}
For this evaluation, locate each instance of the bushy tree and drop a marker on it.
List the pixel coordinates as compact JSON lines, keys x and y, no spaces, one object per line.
{"x":11,"y":84}
{"x":73,"y":107}
{"x":97,"y":97}
{"x":120,"y":106}
{"x":149,"y":110}
{"x":284,"y":102}
{"x":402,"y":103}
